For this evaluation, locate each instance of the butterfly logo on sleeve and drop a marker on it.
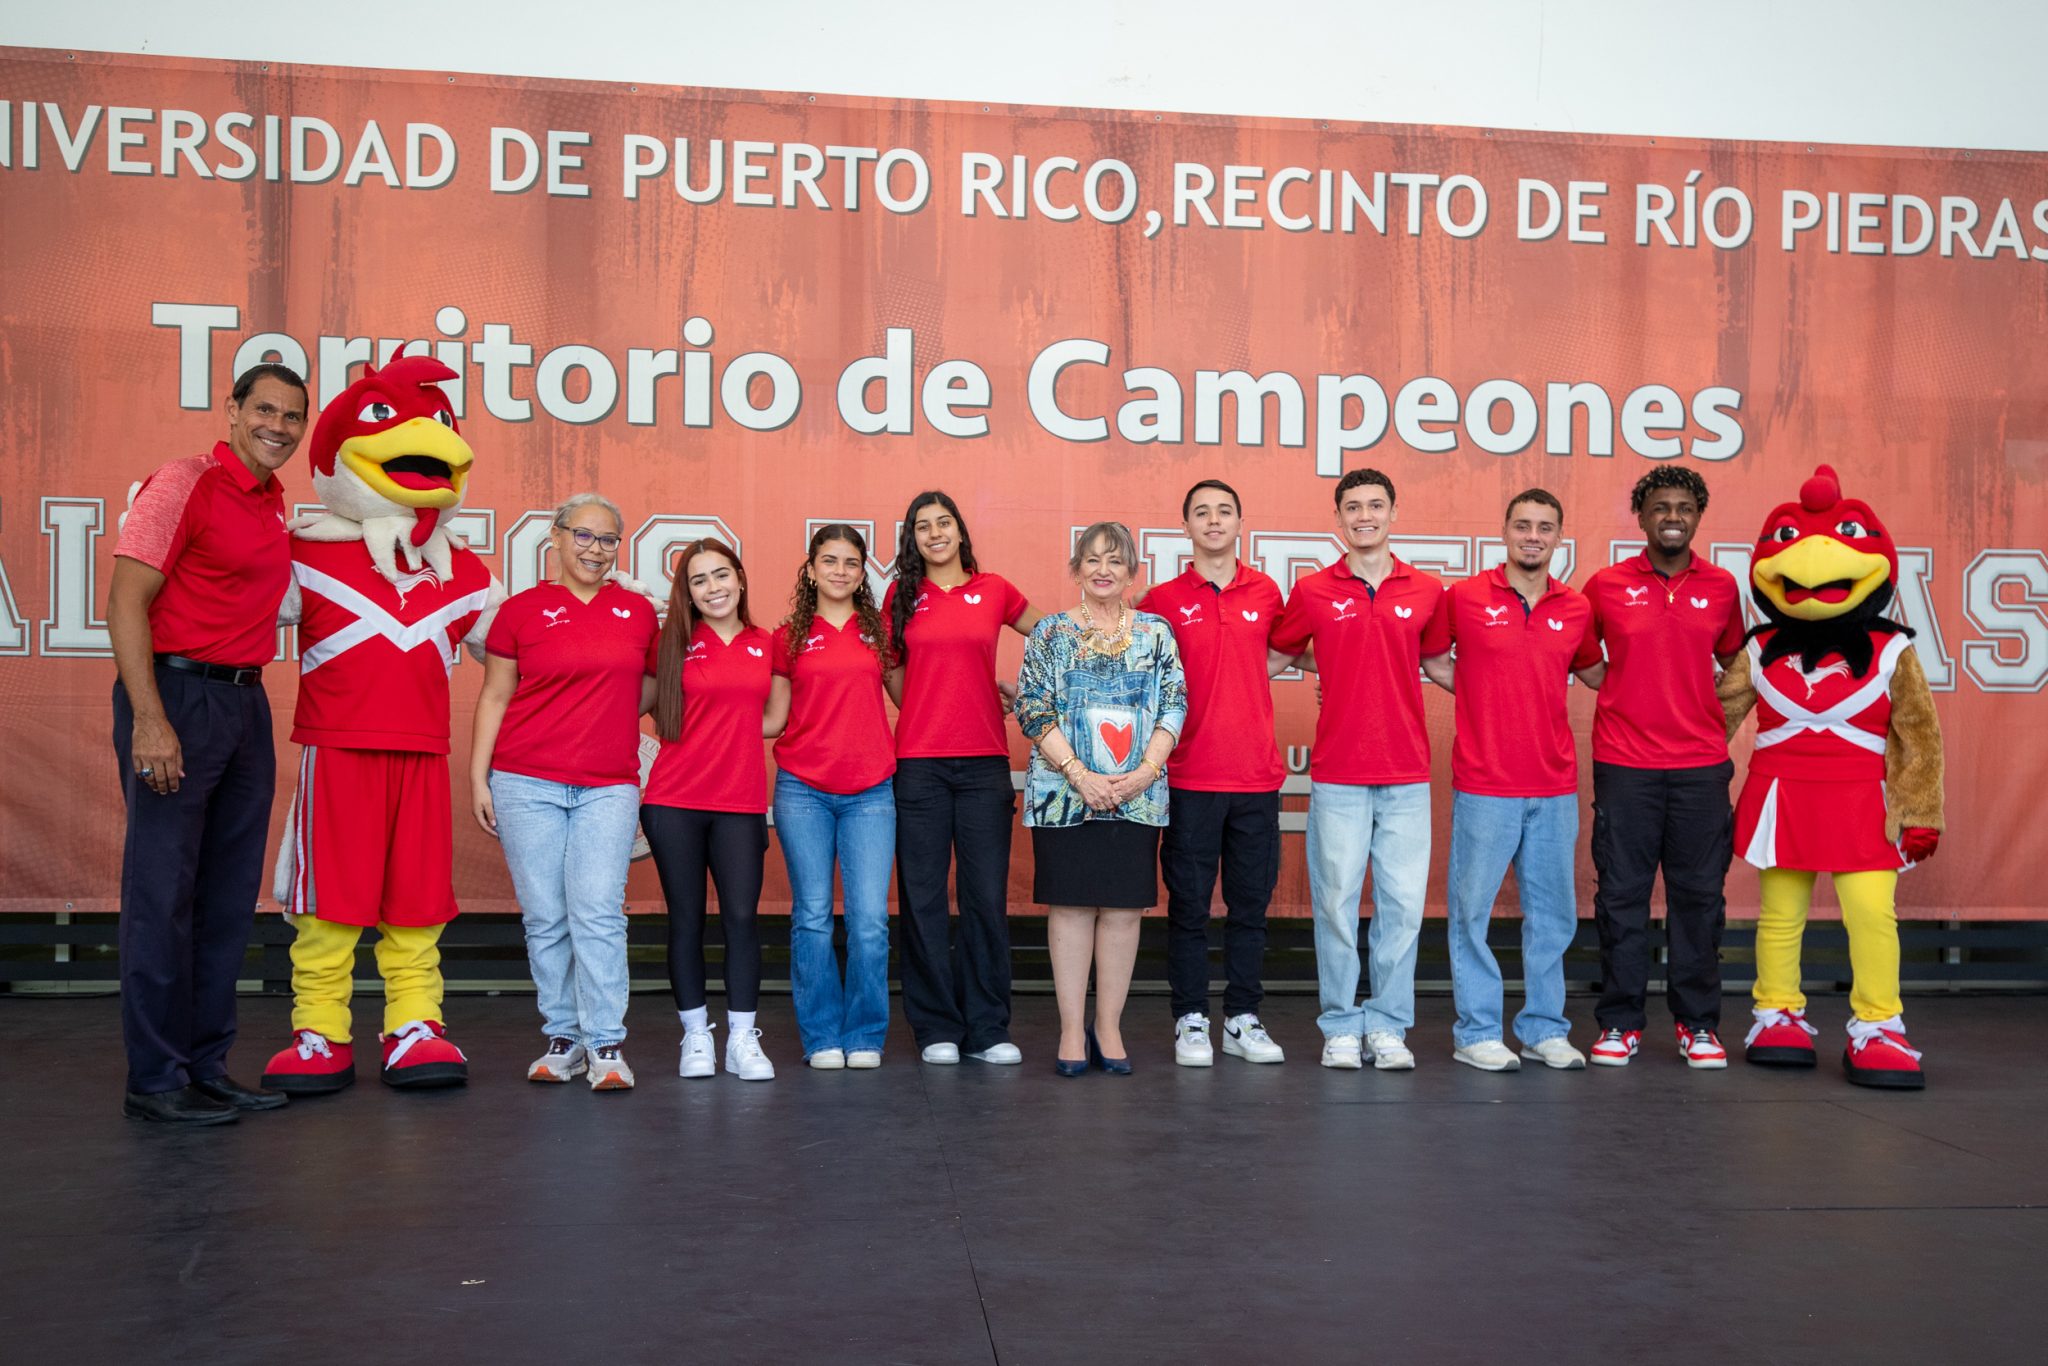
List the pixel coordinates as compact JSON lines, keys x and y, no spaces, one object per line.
{"x":972,"y":599}
{"x":1249,"y":616}
{"x":1403,"y":612}
{"x":625,"y":613}
{"x":1555,"y":624}
{"x":1700,"y":603}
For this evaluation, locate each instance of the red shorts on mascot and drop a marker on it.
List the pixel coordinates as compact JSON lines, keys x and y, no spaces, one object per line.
{"x":384,"y":598}
{"x":1847,"y":775}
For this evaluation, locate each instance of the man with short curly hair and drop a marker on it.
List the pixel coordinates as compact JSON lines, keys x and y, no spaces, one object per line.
{"x":1661,"y":772}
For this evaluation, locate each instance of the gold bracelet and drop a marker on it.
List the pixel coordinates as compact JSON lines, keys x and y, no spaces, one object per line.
{"x":1069,"y":760}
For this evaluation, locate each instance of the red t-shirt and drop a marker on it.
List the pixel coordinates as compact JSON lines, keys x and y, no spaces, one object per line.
{"x":1514,"y":666}
{"x":838,"y":737}
{"x":1227,"y":744}
{"x":575,"y":717}
{"x":218,"y":538}
{"x":718,"y":763}
{"x":1657,"y":707}
{"x":1369,"y":651}
{"x":950,"y":708}
{"x":374,"y":656}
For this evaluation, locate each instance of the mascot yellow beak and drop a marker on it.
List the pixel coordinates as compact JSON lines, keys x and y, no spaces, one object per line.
{"x":417,"y":464}
{"x":1817,"y":577}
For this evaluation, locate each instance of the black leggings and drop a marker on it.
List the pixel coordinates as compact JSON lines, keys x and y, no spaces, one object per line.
{"x":731,"y":845}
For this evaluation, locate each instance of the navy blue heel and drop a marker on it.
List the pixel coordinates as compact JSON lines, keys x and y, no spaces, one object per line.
{"x":1116,"y":1067}
{"x":1069,"y":1069}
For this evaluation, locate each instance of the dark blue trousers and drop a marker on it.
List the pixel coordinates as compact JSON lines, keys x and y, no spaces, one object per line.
{"x":191,"y":871}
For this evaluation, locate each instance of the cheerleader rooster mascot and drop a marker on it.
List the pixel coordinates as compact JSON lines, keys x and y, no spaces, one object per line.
{"x":383,"y":597}
{"x":1847,"y":774}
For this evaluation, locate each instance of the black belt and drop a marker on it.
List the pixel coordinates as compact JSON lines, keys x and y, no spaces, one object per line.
{"x":213,"y":673}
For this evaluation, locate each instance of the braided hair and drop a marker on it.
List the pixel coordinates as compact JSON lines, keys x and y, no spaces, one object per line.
{"x":910,"y":566}
{"x":803,"y":603}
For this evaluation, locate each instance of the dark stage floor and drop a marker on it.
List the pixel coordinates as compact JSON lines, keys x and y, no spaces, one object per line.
{"x":1241,"y":1215}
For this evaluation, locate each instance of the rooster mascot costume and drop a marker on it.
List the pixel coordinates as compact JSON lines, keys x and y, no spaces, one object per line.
{"x":383,"y":597}
{"x":1846,"y":779}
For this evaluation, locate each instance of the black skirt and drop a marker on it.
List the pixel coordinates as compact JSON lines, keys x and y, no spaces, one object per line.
{"x":1113,"y":864}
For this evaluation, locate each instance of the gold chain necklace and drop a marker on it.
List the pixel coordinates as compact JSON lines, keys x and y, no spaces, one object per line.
{"x":1111,"y":643}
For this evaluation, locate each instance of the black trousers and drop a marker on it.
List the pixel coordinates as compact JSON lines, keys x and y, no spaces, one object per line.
{"x":1679,"y":819}
{"x":1238,"y":835}
{"x":957,"y":814}
{"x":191,"y":870}
{"x":730,"y":846}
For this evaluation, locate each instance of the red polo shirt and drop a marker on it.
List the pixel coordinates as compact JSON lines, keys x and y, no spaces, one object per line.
{"x":838,"y":737}
{"x":718,"y":762}
{"x":575,"y":717}
{"x":1657,"y":707}
{"x":1369,"y":652}
{"x":950,"y":708}
{"x":1514,"y":666}
{"x":1227,"y":744}
{"x":218,"y":538}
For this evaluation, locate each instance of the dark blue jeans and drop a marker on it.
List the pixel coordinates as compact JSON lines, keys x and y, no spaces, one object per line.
{"x":191,"y":870}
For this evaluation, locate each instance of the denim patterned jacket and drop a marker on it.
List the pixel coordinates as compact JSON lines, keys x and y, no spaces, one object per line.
{"x":1106,"y":706}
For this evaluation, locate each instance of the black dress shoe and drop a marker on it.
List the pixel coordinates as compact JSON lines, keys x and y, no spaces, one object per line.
{"x":227,"y":1090}
{"x":187,"y":1105}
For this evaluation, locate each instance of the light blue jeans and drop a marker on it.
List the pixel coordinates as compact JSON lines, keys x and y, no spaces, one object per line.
{"x":1350,"y":826}
{"x":568,"y":848}
{"x":1539,"y":836}
{"x":858,"y":832}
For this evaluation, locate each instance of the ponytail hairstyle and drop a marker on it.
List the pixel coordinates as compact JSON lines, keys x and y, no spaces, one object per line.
{"x":910,"y":566}
{"x":803,"y":603}
{"x":680,"y":626}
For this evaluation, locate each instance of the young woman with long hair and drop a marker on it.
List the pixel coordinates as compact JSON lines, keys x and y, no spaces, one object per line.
{"x":832,"y":798}
{"x":705,"y":809}
{"x":954,"y":802}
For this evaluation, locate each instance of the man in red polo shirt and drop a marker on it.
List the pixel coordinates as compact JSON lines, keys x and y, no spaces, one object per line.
{"x":199,"y":572}
{"x":1661,"y":771}
{"x":1225,"y":779}
{"x":1372,"y":621}
{"x":1520,"y":634}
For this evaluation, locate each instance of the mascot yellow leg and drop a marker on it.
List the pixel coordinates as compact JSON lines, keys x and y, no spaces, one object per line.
{"x":409,"y":958}
{"x":320,"y":1059}
{"x":1781,"y":1037}
{"x":1870,"y":915}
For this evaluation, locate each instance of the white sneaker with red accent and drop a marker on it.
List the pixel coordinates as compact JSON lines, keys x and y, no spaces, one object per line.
{"x":1615,"y":1047}
{"x":1701,"y":1049}
{"x":565,"y":1060}
{"x":608,"y":1070}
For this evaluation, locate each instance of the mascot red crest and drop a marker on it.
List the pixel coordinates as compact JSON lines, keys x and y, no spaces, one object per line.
{"x":384,"y":598}
{"x":1847,"y":774}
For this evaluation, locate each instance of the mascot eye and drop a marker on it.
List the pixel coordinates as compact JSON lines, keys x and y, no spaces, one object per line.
{"x":1785,"y":533}
{"x":376,"y":412}
{"x":444,"y":417}
{"x":1851,"y":528}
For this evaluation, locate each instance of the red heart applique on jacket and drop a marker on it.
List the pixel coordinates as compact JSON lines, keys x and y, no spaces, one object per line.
{"x":1118,"y":738}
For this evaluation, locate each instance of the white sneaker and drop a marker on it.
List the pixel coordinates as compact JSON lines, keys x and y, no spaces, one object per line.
{"x":827,"y":1060}
{"x":1555,"y":1053}
{"x":700,"y":1058}
{"x":1389,"y":1054}
{"x":1002,"y":1054}
{"x":1191,"y":1046}
{"x":1244,"y":1037}
{"x":1488,"y":1055}
{"x":1341,"y":1051}
{"x":565,"y":1060}
{"x":864,"y":1058}
{"x":608,"y":1070}
{"x":944,"y":1054}
{"x":744,"y":1058}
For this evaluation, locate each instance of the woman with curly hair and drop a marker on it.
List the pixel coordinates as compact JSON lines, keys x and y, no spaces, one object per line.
{"x":833,"y":802}
{"x":954,"y":801}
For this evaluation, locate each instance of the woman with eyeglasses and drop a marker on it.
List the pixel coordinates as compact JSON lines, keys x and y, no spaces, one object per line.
{"x":833,"y":804}
{"x":554,"y":773}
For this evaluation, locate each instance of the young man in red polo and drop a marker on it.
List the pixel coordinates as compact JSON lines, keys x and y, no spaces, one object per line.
{"x":1520,"y":635}
{"x":200,"y":569}
{"x":1661,"y":771}
{"x":1225,"y":779}
{"x":1371,"y":621}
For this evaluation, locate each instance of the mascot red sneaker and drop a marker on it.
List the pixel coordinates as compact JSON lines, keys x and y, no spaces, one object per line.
{"x":1846,"y":779}
{"x":383,"y":598}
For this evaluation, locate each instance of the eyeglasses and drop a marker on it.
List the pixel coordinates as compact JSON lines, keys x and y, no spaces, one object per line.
{"x":586,"y":539}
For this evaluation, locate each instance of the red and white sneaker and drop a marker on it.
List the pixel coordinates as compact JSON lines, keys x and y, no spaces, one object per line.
{"x":1878,"y":1055}
{"x":1615,"y":1047}
{"x":1779,"y":1038}
{"x":1701,"y":1048}
{"x":311,"y":1065}
{"x":420,"y":1054}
